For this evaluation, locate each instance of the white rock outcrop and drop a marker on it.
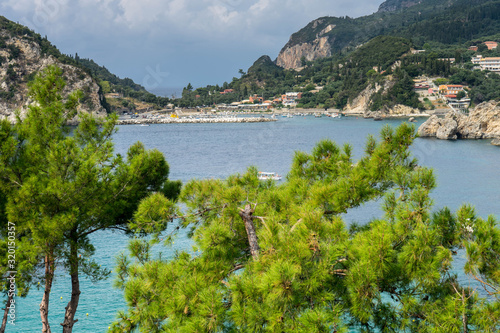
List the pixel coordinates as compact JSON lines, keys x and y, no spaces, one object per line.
{"x":483,"y":122}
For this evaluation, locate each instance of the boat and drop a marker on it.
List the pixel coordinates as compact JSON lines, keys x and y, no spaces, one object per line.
{"x":144,"y":125}
{"x":268,"y":175}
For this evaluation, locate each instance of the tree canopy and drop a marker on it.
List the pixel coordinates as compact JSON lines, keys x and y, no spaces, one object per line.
{"x":280,"y":258}
{"x":59,"y":185}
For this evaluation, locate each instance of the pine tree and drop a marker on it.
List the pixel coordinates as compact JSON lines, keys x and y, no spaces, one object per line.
{"x":61,"y":187}
{"x":279,"y":258}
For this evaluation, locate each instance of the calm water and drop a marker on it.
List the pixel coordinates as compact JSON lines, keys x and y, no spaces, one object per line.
{"x":467,"y":171}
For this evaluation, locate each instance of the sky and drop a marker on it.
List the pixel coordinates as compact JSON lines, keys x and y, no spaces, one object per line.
{"x":166,"y":44}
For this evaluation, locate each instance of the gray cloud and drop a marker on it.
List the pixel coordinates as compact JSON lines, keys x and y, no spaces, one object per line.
{"x":198,"y":41}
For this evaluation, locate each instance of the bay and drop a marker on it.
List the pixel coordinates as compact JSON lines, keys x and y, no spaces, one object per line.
{"x":466,"y":171}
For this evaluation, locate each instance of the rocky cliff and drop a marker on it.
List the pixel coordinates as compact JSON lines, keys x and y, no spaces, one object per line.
{"x":21,"y":57}
{"x":292,"y":54}
{"x":328,"y":35}
{"x":483,"y":122}
{"x":361,"y":104}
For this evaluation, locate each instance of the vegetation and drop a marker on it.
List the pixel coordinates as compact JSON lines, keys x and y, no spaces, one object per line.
{"x":126,"y":86}
{"x":58,"y":189}
{"x":279,"y":258}
{"x":342,"y":77}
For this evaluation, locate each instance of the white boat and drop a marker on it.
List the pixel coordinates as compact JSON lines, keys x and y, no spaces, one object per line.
{"x":268,"y":175}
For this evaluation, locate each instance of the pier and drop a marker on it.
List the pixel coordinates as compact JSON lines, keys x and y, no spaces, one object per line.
{"x":188,"y":120}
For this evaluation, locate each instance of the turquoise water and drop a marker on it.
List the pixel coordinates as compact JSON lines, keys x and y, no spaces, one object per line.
{"x":467,"y":171}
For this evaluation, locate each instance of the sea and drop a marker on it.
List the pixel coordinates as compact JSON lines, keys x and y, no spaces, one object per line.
{"x":466,"y":171}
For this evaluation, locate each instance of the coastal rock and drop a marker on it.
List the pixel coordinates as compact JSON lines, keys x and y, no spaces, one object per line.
{"x":429,"y":127}
{"x":400,"y":110}
{"x":441,"y":128}
{"x":483,"y":122}
{"x":495,"y":142}
{"x":397,"y":111}
{"x":447,"y":130}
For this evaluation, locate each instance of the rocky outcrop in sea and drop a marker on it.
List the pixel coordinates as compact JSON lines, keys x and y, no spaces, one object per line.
{"x":483,"y":122}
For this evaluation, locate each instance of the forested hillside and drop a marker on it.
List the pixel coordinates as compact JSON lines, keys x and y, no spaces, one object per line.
{"x":367,"y":50}
{"x":107,"y":81}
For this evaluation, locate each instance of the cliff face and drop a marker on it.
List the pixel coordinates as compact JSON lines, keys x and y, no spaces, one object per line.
{"x":482,"y":123}
{"x":361,"y":103}
{"x":21,"y":58}
{"x":327,"y":35}
{"x":291,"y":57}
{"x":319,"y":47}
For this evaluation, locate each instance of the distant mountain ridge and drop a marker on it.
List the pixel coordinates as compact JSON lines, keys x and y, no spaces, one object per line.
{"x":442,"y":21}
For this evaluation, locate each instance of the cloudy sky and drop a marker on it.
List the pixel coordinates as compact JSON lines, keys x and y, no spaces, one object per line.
{"x":169,"y":43}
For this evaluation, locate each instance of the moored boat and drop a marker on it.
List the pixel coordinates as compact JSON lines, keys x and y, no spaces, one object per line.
{"x":268,"y":175}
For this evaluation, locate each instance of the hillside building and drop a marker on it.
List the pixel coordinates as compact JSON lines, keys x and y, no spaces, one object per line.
{"x":451,"y":89}
{"x":487,"y":63}
{"x":290,"y":98}
{"x":491,"y":45}
{"x":256,"y":99}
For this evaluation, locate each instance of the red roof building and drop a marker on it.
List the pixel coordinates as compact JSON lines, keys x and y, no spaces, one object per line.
{"x":491,"y":45}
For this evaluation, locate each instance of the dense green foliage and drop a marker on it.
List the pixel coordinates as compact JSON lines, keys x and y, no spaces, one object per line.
{"x":440,"y":21}
{"x":58,"y":189}
{"x":279,"y":258}
{"x":127,"y":87}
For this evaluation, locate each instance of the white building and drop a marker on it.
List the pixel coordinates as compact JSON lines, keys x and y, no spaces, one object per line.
{"x":487,"y":64}
{"x":290,"y":98}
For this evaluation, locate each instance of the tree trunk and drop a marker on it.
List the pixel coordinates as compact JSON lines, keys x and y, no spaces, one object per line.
{"x":44,"y":306}
{"x":246,"y":215}
{"x":69,"y":316}
{"x":464,"y":315}
{"x":10,"y":297}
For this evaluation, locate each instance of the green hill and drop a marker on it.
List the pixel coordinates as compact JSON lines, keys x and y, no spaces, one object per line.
{"x":107,"y":81}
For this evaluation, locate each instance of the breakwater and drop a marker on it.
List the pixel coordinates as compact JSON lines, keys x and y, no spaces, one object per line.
{"x":147,"y":121}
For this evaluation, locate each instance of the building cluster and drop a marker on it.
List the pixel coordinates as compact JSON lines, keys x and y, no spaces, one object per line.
{"x":447,"y":92}
{"x":489,"y":44}
{"x":451,"y":93}
{"x":256,"y":102}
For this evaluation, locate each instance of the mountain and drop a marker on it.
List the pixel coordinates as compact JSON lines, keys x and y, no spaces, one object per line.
{"x":24,"y":53}
{"x":424,"y":21}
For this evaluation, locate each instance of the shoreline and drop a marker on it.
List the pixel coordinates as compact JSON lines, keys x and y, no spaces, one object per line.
{"x":150,"y":121}
{"x":191,"y":116}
